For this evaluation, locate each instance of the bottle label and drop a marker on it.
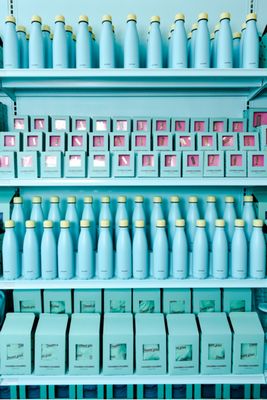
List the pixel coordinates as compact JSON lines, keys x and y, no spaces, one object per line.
{"x":216,"y":351}
{"x":183,"y":352}
{"x":83,"y":352}
{"x":249,"y":351}
{"x":118,"y":351}
{"x":50,"y":352}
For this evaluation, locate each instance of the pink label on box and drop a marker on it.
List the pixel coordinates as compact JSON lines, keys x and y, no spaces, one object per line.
{"x":124,"y":160}
{"x":100,"y":161}
{"x":148,"y":160}
{"x":258,"y":160}
{"x":161,"y":125}
{"x":218,"y":126}
{"x":249,"y":140}
{"x":60,"y":124}
{"x":119,"y":141}
{"x":180,"y":126}
{"x":121,"y":125}
{"x":75,"y":161}
{"x":80,"y":124}
{"x":170,"y":161}
{"x":193,"y":160}
{"x":26,"y":162}
{"x":199,"y":126}
{"x":39,"y":123}
{"x":50,"y":161}
{"x":259,"y":118}
{"x":101,"y":125}
{"x":142,"y":125}
{"x":4,"y":161}
{"x":213,"y":160}
{"x":54,"y":141}
{"x":76,"y":141}
{"x":19,"y":123}
{"x":9,"y":140}
{"x":162,"y":141}
{"x":207,"y":141}
{"x":185,"y":141}
{"x":228,"y":141}
{"x":98,"y":141}
{"x":32,"y":141}
{"x":238,"y":126}
{"x":140,"y":141}
{"x":236,"y":160}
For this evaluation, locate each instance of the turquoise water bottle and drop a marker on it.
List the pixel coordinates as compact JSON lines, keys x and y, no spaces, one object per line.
{"x":37,"y":216}
{"x":251,"y":45}
{"x":31,"y":268}
{"x":121,"y":213}
{"x":105,"y":251}
{"x":180,"y":259}
{"x":248,"y":215}
{"x":191,"y":218}
{"x":174,"y":214}
{"x":131,"y":44}
{"x":156,"y":214}
{"x":123,"y":251}
{"x":91,"y":46}
{"x":170,"y":44}
{"x":140,"y":251}
{"x":138,"y":212}
{"x":94,"y":50}
{"x":36,"y":46}
{"x":219,"y":251}
{"x":23,"y":47}
{"x":107,"y":44}
{"x":239,"y":251}
{"x":229,"y":217}
{"x":46,"y":32}
{"x":69,"y":33}
{"x":236,"y":49}
{"x":154,"y":45}
{"x":179,"y":46}
{"x":83,"y":44}
{"x":193,"y":46}
{"x":200,"y":256}
{"x":19,"y":219}
{"x":105,"y":212}
{"x":11,"y":252}
{"x":65,"y":252}
{"x":54,"y":215}
{"x":225,"y":42}
{"x":215,"y":51}
{"x":189,"y":37}
{"x":210,"y":218}
{"x":48,"y":252}
{"x":72,"y":216}
{"x":212,"y":37}
{"x":85,"y":268}
{"x":60,"y":48}
{"x":160,"y":251}
{"x":243,"y":34}
{"x":257,"y":251}
{"x":89,"y":215}
{"x":202,"y":45}
{"x":11,"y":45}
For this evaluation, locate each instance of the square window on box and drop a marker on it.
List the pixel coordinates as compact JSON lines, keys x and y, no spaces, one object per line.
{"x":98,"y":141}
{"x":214,"y":164}
{"x":121,"y":125}
{"x":161,"y":124}
{"x":249,"y":141}
{"x":207,"y":141}
{"x":55,"y":141}
{"x":141,"y":141}
{"x":40,"y":123}
{"x":77,"y":141}
{"x":124,"y":164}
{"x":185,"y":141}
{"x":28,"y":164}
{"x":7,"y":164}
{"x":170,"y":164}
{"x":199,"y":125}
{"x":61,"y":123}
{"x":237,"y":124}
{"x":236,"y":164}
{"x":10,"y":141}
{"x":81,"y":124}
{"x":142,"y":124}
{"x":51,"y":164}
{"x":162,"y":141}
{"x":218,"y":124}
{"x":33,"y":141}
{"x":99,"y":164}
{"x":148,"y":164}
{"x":257,"y":163}
{"x":180,"y":125}
{"x":101,"y":124}
{"x":192,"y":164}
{"x":227,"y":140}
{"x":119,"y":141}
{"x":263,"y":137}
{"x":75,"y":164}
{"x":21,"y":123}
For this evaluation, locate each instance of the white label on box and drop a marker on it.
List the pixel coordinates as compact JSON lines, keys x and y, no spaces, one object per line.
{"x":249,"y":351}
{"x":100,"y":161}
{"x":183,"y":352}
{"x":121,"y":125}
{"x":14,"y":351}
{"x":83,"y":352}
{"x":19,"y":123}
{"x":101,"y":125}
{"x":26,"y":162}
{"x":216,"y":352}
{"x":60,"y":124}
{"x":80,"y":124}
{"x":151,"y":352}
{"x":50,"y":161}
{"x":4,"y":161}
{"x":118,"y":351}
{"x":75,"y":161}
{"x":50,"y":352}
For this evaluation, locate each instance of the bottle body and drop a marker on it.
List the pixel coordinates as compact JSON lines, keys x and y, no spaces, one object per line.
{"x":251,"y":46}
{"x":72,"y":217}
{"x":154,"y":47}
{"x":248,"y":216}
{"x":239,"y":254}
{"x":179,"y":46}
{"x":191,"y":218}
{"x":131,"y":46}
{"x":36,"y":47}
{"x":105,"y":213}
{"x":23,"y":50}
{"x":83,"y":46}
{"x":121,"y":214}
{"x":160,"y":255}
{"x":11,"y":255}
{"x":107,"y":46}
{"x":180,"y":259}
{"x":202,"y":45}
{"x":38,"y":217}
{"x":174,"y":214}
{"x":138,"y":215}
{"x":89,"y":215}
{"x":31,"y":255}
{"x":18,"y":217}
{"x":192,"y":49}
{"x":60,"y":49}
{"x":105,"y":254}
{"x":85,"y":268}
{"x":140,"y":254}
{"x":47,"y":49}
{"x":48,"y":254}
{"x":70,"y":48}
{"x":55,"y":217}
{"x":124,"y":255}
{"x":156,"y":214}
{"x":11,"y":47}
{"x":236,"y":53}
{"x":229,"y":217}
{"x":66,"y":262}
{"x":200,"y":256}
{"x":225,"y":45}
{"x":219,"y":254}
{"x":210,"y":218}
{"x":257,"y":254}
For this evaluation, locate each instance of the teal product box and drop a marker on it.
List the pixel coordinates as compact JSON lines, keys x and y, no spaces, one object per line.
{"x":10,"y":141}
{"x":141,"y":141}
{"x":21,"y":123}
{"x":33,"y":392}
{"x":185,"y":141}
{"x":216,"y":344}
{"x":207,"y":141}
{"x":98,"y":141}
{"x":170,"y":164}
{"x":33,"y":141}
{"x":193,"y":162}
{"x":81,"y":124}
{"x":208,"y":391}
{"x":179,"y":391}
{"x":150,"y":391}
{"x":28,"y":164}
{"x":99,"y":165}
{"x":50,"y":344}
{"x":248,"y":343}
{"x":101,"y":124}
{"x":183,"y":344}
{"x":84,"y":346}
{"x":55,"y":141}
{"x":213,"y":164}
{"x":218,"y":124}
{"x":117,"y":300}
{"x":119,"y":141}
{"x":256,"y":117}
{"x":7,"y":164}
{"x":16,"y":344}
{"x":27,"y":301}
{"x":147,"y":164}
{"x":257,"y":163}
{"x":180,"y":125}
{"x":199,"y":125}
{"x":262,"y":134}
{"x":227,"y":141}
{"x":9,"y":392}
{"x":121,"y":125}
{"x":150,"y":344}
{"x":61,"y":392}
{"x":90,"y":392}
{"x":51,"y":164}
{"x":237,"y":300}
{"x":176,"y":301}
{"x":78,"y":141}
{"x":161,"y":124}
{"x":206,"y":300}
{"x":146,"y":301}
{"x":118,"y":344}
{"x":40,"y":123}
{"x":237,"y":124}
{"x":249,"y":141}
{"x":236,"y":164}
{"x":120,"y":392}
{"x":61,"y":123}
{"x":87,"y":301}
{"x":75,"y":165}
{"x":236,"y":392}
{"x":123,"y":164}
{"x":162,"y":141}
{"x":142,"y":124}
{"x":57,"y":301}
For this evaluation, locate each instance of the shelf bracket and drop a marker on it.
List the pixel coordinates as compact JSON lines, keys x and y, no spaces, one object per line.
{"x":255,"y":93}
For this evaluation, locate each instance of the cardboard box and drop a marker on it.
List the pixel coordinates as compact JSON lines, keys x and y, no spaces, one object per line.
{"x":176,"y":301}
{"x":87,"y":301}
{"x":206,"y":300}
{"x":27,"y":301}
{"x":146,"y":301}
{"x":237,"y":300}
{"x":28,"y":165}
{"x":57,"y":301}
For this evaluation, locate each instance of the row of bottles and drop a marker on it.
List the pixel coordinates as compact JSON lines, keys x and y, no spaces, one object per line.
{"x":198,"y":49}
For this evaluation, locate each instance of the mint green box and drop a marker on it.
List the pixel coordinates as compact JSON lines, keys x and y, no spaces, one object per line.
{"x":27,"y":301}
{"x":249,"y":141}
{"x":10,"y":141}
{"x":207,"y":391}
{"x":117,"y":300}
{"x":162,"y":141}
{"x":146,"y":301}
{"x":87,"y":301}
{"x":118,"y":344}
{"x":227,"y":141}
{"x":170,"y":164}
{"x":119,"y":141}
{"x":21,"y":123}
{"x":185,"y":141}
{"x":146,"y":391}
{"x":55,"y":141}
{"x":237,"y":300}
{"x":176,"y":301}
{"x":61,"y":123}
{"x":78,"y":141}
{"x":161,"y":124}
{"x":123,"y":164}
{"x":16,"y":344}
{"x":33,"y":141}
{"x":62,"y":392}
{"x":50,"y":344}
{"x":141,"y":141}
{"x":178,"y":391}
{"x":207,"y":141}
{"x":216,"y":343}
{"x":40,"y":123}
{"x":98,"y":141}
{"x":81,"y":124}
{"x":206,"y":300}
{"x":84,"y":346}
{"x":193,"y":163}
{"x":147,"y":164}
{"x":32,"y":392}
{"x":8,"y":164}
{"x":257,"y":163}
{"x":101,"y":124}
{"x":90,"y":392}
{"x":263,"y":137}
{"x":237,"y":124}
{"x":28,"y":164}
{"x":142,"y":124}
{"x":51,"y":164}
{"x":180,"y":124}
{"x":150,"y":344}
{"x":57,"y":301}
{"x":214,"y":164}
{"x":236,"y":164}
{"x":75,"y":165}
{"x":256,"y":118}
{"x":183,"y":344}
{"x":124,"y":392}
{"x":218,"y":124}
{"x":236,"y":392}
{"x":199,"y":124}
{"x":99,"y":165}
{"x":121,"y":125}
{"x":248,"y":343}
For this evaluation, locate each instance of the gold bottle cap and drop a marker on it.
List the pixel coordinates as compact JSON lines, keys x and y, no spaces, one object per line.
{"x":139,"y":199}
{"x":30,"y":224}
{"x":203,"y":15}
{"x":83,"y":18}
{"x":9,"y":223}
{"x":105,"y":199}
{"x":243,"y":26}
{"x":194,"y":27}
{"x":258,"y":223}
{"x":107,"y":18}
{"x":48,"y":224}
{"x":251,"y":16}
{"x":123,"y":223}
{"x":10,"y":18}
{"x":54,"y":199}
{"x":157,"y":199}
{"x":18,"y":200}
{"x":68,"y":28}
{"x":64,"y":224}
{"x":74,"y":37}
{"x":104,"y":223}
{"x":211,"y":199}
{"x":88,"y":199}
{"x":36,"y":18}
{"x":240,"y":223}
{"x":180,"y":223}
{"x":140,"y":223}
{"x":28,"y":36}
{"x":248,"y":199}
{"x":172,"y":27}
{"x":201,"y":223}
{"x":131,"y":17}
{"x":225,"y":15}
{"x":37,"y":200}
{"x":60,"y":18}
{"x":122,"y":199}
{"x":229,"y":199}
{"x":212,"y":36}
{"x":179,"y":17}
{"x":84,"y":223}
{"x":93,"y":36}
{"x":21,"y":28}
{"x":193,"y":199}
{"x":90,"y":29}
{"x":175,"y":199}
{"x":189,"y":35}
{"x":161,"y":223}
{"x":217,"y":28}
{"x":155,"y":18}
{"x":236,"y":35}
{"x":71,"y":199}
{"x":46,"y":28}
{"x":220,"y":223}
